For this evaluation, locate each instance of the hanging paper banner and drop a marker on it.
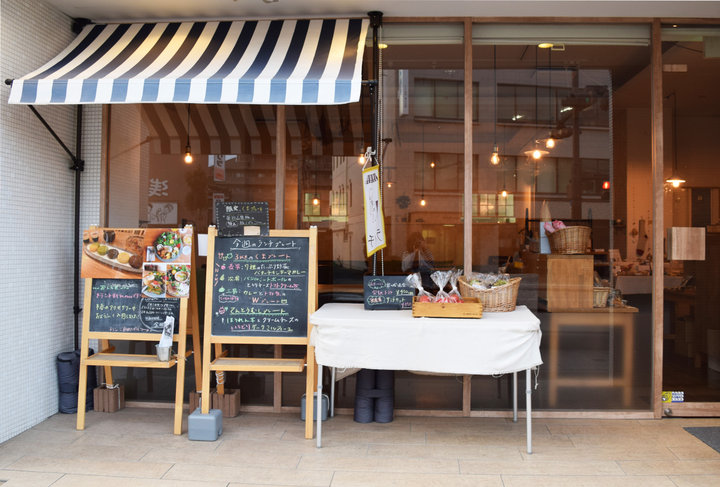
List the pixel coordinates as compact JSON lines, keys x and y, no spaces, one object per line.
{"x":374,"y":218}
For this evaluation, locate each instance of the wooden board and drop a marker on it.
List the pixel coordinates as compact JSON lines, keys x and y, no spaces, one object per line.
{"x":565,"y":281}
{"x":469,"y":308}
{"x":686,"y":243}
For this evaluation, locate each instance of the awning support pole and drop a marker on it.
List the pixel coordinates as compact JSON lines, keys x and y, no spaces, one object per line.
{"x":78,"y":166}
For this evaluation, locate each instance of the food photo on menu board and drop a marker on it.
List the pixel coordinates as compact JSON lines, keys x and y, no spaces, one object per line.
{"x":161,"y":257}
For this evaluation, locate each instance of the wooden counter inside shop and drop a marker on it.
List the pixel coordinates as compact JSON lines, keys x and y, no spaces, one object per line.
{"x":622,"y":318}
{"x":564,"y":281}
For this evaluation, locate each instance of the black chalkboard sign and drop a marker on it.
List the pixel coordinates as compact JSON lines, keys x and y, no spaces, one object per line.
{"x":242,"y":218}
{"x":387,"y":292}
{"x":117,"y":306}
{"x":260,"y":286}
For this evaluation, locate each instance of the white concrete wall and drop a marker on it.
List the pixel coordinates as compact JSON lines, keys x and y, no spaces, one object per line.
{"x":37,"y":218}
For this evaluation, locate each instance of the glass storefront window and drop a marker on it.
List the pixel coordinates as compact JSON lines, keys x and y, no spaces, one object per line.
{"x":591,"y":100}
{"x":691,"y":334}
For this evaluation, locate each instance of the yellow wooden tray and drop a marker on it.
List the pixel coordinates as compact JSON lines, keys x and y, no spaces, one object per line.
{"x":469,"y":308}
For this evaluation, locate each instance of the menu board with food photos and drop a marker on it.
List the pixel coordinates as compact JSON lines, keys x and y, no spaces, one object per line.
{"x":241,"y":218}
{"x":117,"y":306}
{"x":387,"y":292}
{"x":159,"y":257}
{"x":260,"y":286}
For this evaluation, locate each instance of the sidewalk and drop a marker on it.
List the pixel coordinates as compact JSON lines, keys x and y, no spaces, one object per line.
{"x":136,"y":447}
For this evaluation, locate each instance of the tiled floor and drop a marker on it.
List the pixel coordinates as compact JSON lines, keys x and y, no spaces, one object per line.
{"x":136,"y":447}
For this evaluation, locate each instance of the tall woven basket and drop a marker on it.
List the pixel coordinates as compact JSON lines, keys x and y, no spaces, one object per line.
{"x":500,"y":298}
{"x":570,"y":240}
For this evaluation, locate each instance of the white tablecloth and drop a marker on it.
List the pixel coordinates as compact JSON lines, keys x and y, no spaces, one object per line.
{"x":346,"y":335}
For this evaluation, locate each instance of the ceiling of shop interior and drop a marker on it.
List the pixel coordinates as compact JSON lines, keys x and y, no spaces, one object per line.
{"x":701,"y":96}
{"x":217,"y":9}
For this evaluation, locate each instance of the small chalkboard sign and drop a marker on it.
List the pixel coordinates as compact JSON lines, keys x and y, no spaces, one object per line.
{"x":387,"y":292}
{"x":260,"y":286}
{"x":242,"y":218}
{"x":117,"y":306}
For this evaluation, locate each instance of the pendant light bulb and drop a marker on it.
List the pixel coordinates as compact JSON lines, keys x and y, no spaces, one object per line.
{"x":536,"y":153}
{"x":423,"y":202}
{"x":675,"y":181}
{"x":550,"y":143}
{"x":495,"y":157}
{"x":315,"y":201}
{"x":504,"y":193}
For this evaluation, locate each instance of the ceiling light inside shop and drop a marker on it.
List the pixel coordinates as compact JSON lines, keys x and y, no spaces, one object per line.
{"x":495,"y":157}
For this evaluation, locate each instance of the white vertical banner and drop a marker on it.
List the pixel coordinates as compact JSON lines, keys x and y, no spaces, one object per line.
{"x":374,"y":218}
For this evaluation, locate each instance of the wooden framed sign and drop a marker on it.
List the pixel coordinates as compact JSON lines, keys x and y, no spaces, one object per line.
{"x":117,"y":305}
{"x":260,"y":290}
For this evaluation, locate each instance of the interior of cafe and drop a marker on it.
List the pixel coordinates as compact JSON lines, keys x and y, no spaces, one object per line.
{"x":561,"y":133}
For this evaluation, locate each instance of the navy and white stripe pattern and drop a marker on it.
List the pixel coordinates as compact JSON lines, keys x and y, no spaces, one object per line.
{"x":312,"y":130}
{"x":291,"y":62}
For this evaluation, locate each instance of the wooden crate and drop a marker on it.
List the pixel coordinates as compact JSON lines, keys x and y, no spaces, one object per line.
{"x":469,"y":308}
{"x":228,"y":403}
{"x":108,"y":400}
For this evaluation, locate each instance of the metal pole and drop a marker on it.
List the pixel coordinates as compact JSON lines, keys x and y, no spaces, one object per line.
{"x":375,"y":22}
{"x":78,"y":166}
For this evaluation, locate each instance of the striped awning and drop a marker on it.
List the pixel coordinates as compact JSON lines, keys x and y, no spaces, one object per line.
{"x":289,"y":62}
{"x":332,"y":130}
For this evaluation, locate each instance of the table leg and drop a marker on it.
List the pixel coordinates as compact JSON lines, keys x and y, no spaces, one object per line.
{"x":628,"y":360}
{"x":332,"y":392}
{"x":528,"y":407}
{"x":553,"y":359}
{"x":319,"y":406}
{"x":515,"y":409}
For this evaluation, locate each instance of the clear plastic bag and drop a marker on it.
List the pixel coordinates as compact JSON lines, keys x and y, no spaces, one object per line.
{"x":415,"y":281}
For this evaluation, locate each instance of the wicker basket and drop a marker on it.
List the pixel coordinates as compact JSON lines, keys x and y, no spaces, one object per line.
{"x":500,"y":298}
{"x":570,"y":240}
{"x":600,"y":297}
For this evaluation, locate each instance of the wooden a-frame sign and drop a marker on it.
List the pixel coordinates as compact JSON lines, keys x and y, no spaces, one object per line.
{"x":261,"y":290}
{"x":118,"y":293}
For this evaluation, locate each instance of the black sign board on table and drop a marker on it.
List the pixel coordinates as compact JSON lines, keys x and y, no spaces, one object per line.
{"x":387,"y":292}
{"x":260,"y":286}
{"x":242,"y":218}
{"x":117,"y":306}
